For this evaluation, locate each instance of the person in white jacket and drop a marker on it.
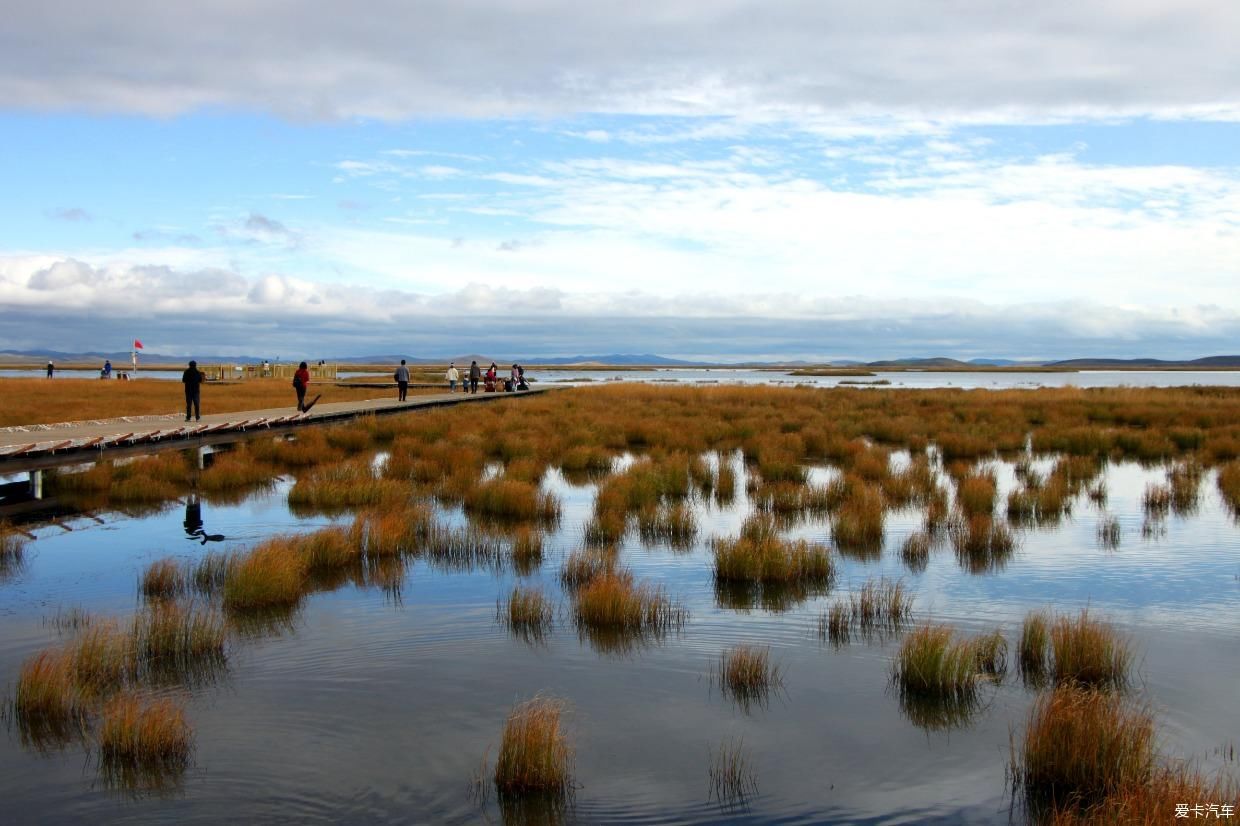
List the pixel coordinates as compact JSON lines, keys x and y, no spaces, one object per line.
{"x":453,"y":376}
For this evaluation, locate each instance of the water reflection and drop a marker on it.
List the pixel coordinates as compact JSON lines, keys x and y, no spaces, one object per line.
{"x":194,"y":525}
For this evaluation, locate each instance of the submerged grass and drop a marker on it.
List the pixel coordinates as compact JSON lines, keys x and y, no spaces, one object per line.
{"x":163,"y":579}
{"x":732,"y":779}
{"x":528,"y":612}
{"x":747,"y":674}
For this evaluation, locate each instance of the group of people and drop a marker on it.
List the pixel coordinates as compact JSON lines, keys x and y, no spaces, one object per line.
{"x":193,"y":378}
{"x":490,"y":379}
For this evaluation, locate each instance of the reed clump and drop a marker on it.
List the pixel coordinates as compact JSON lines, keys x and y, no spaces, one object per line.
{"x":835,"y":624}
{"x":1035,"y":640}
{"x":138,"y":732}
{"x":344,"y":485}
{"x":535,"y":756}
{"x":1082,"y":745}
{"x":1087,"y":651}
{"x":583,"y":566}
{"x":612,"y":601}
{"x":527,"y":550}
{"x":529,"y":612}
{"x":168,"y":635}
{"x":102,"y":658}
{"x":12,"y":548}
{"x":732,"y":780}
{"x":857,"y":524}
{"x":272,"y":575}
{"x":881,"y":601}
{"x":747,"y":673}
{"x":982,"y":544}
{"x":47,"y":699}
{"x":759,"y":556}
{"x":163,"y":579}
{"x":210,"y":572}
{"x":1229,"y":485}
{"x":975,"y":493}
{"x":915,"y":552}
{"x":991,"y":653}
{"x":513,"y":499}
{"x":933,"y":662}
{"x":330,"y":549}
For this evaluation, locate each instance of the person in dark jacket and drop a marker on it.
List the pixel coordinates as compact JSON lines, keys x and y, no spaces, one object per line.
{"x":301,"y":380}
{"x":192,"y":378}
{"x":402,"y":380}
{"x":475,"y":373}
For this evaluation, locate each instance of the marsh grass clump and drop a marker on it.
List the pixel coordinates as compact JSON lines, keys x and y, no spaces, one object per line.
{"x":673,"y":523}
{"x":990,"y":653}
{"x":1184,"y":481}
{"x":528,"y":612}
{"x":1089,"y":652}
{"x":857,"y":524}
{"x":982,"y":544}
{"x":102,"y":658}
{"x":612,"y":601}
{"x":747,"y":674}
{"x":535,"y":756}
{"x":209,"y":573}
{"x":340,"y":486}
{"x":881,"y":602}
{"x":390,"y":532}
{"x":732,"y":779}
{"x":1109,"y":533}
{"x":163,"y":579}
{"x":512,"y":499}
{"x":725,"y":481}
{"x":272,"y":575}
{"x":975,"y":493}
{"x":1156,"y":501}
{"x":459,"y":549}
{"x":48,"y":704}
{"x":835,"y":624}
{"x":1035,"y":640}
{"x":1229,"y":485}
{"x":171,"y":639}
{"x":583,"y":566}
{"x":1081,"y":746}
{"x":527,"y":550}
{"x":760,"y":556}
{"x":932,"y":662}
{"x":330,"y":549}
{"x":12,"y":549}
{"x":915,"y":552}
{"x":136,"y":733}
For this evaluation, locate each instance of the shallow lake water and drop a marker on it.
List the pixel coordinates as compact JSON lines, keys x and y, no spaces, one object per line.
{"x":371,"y":705}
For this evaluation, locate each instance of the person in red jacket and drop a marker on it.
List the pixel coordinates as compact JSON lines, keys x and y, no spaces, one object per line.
{"x":301,"y":380}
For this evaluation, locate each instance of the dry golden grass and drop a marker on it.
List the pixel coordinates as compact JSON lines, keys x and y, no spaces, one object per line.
{"x":134,"y":731}
{"x":38,"y":401}
{"x":163,"y":579}
{"x":330,"y":549}
{"x":209,"y":573}
{"x":612,"y":601}
{"x":1152,"y":803}
{"x":345,"y":485}
{"x":535,"y":756}
{"x":1088,"y":651}
{"x":982,"y":544}
{"x":168,"y":635}
{"x":582,"y":566}
{"x":512,"y":499}
{"x":271,"y":575}
{"x":747,"y":674}
{"x":47,"y":695}
{"x":1229,"y":485}
{"x":881,"y":601}
{"x":102,"y":658}
{"x":527,"y":550}
{"x":760,"y":556}
{"x":835,"y":624}
{"x":933,"y":662}
{"x":1035,"y":643}
{"x":857,"y":524}
{"x":1080,"y":746}
{"x":529,"y":612}
{"x":915,"y":552}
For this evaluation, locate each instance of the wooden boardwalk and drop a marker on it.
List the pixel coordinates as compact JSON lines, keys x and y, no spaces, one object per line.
{"x":33,"y":447}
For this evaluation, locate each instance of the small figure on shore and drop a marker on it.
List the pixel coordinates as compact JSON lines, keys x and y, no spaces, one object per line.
{"x":475,"y":373}
{"x":521,"y":385}
{"x":192,"y":379}
{"x":51,"y":368}
{"x":107,"y":369}
{"x":514,"y":378}
{"x":452,"y":377}
{"x":491,"y":375}
{"x":402,"y":381}
{"x":301,"y":380}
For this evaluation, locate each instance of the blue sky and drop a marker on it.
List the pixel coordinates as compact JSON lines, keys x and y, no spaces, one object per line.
{"x":695,"y":180}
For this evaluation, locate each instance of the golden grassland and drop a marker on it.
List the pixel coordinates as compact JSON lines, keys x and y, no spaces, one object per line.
{"x":39,"y":401}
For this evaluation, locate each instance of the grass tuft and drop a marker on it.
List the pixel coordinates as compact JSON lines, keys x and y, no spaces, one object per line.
{"x":138,"y":733}
{"x":747,"y":675}
{"x":534,"y":754}
{"x":163,"y":579}
{"x":732,"y":780}
{"x":272,"y":575}
{"x":528,"y":612}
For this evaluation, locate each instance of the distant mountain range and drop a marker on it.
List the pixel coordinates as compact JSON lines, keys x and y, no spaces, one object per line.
{"x":152,"y":359}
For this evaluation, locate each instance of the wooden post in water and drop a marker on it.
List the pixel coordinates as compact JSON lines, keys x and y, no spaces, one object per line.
{"x":36,"y":484}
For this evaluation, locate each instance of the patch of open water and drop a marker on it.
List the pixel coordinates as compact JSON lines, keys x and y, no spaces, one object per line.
{"x":368,"y":708}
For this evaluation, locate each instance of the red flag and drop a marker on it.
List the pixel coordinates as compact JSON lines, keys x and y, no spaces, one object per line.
{"x":137,"y":345}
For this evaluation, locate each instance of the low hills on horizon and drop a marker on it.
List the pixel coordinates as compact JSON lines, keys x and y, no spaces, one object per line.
{"x":34,"y":358}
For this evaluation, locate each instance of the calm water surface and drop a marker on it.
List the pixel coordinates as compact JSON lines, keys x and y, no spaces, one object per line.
{"x":372,"y":707}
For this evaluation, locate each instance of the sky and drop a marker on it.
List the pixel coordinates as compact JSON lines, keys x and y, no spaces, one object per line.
{"x":721,"y":180}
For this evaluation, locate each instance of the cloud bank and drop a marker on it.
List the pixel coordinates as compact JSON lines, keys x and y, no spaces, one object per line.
{"x":392,"y":59}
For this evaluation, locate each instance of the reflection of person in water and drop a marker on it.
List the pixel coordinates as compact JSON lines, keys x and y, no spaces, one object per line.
{"x":193,"y":522}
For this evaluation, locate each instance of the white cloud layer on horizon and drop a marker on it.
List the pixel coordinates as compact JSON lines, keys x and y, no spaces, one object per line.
{"x":221,"y":312}
{"x":837,"y":62}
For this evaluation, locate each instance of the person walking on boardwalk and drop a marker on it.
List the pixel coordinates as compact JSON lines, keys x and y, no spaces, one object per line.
{"x":107,"y":368}
{"x":301,"y":380}
{"x":192,"y":378}
{"x":51,"y":368}
{"x":452,"y":377}
{"x":475,"y":373}
{"x":402,"y":380}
